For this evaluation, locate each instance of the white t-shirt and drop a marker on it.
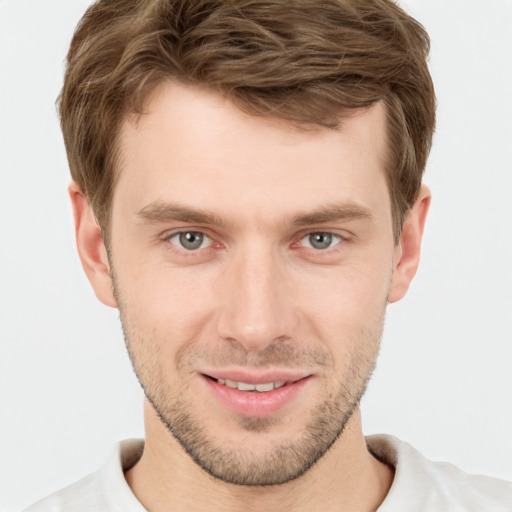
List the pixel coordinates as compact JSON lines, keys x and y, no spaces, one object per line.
{"x":420,"y":485}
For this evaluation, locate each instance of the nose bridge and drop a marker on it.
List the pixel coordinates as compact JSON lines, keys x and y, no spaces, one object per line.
{"x":255,"y":308}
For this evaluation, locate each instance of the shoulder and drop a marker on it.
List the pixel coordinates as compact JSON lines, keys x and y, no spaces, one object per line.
{"x":424,"y":485}
{"x":103,"y":491}
{"x":80,"y":496}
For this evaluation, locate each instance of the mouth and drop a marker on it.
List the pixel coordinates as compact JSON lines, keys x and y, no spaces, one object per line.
{"x":251,"y":395}
{"x":263,"y":387}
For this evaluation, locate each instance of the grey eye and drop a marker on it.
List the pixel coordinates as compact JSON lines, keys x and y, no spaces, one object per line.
{"x":190,"y":240}
{"x":321,"y":240}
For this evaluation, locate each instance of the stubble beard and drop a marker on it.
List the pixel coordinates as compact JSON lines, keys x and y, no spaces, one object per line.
{"x":246,"y":465}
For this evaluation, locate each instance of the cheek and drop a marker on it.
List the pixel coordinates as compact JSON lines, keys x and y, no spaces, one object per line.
{"x":345,"y":308}
{"x":352,"y":290}
{"x":176,"y":307}
{"x":167,"y":305}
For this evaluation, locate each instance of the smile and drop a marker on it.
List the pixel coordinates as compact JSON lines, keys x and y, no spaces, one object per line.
{"x":244,"y":386}
{"x":261,"y":396}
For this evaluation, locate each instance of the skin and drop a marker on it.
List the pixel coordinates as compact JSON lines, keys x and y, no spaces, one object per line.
{"x":255,"y":298}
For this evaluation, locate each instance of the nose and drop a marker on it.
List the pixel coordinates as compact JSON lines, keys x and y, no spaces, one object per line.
{"x":256,"y":301}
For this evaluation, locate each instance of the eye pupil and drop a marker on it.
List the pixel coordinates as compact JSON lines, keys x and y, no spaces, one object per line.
{"x":320,"y":240}
{"x":191,"y":240}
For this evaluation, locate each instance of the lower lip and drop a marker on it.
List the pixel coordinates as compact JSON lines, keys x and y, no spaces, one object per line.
{"x":255,"y":403}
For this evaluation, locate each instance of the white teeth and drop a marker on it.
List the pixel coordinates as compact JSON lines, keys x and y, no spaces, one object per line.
{"x":244,"y":386}
{"x":267,"y":386}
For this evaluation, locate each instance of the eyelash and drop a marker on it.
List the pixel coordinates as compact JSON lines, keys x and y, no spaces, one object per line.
{"x":331,"y":236}
{"x":334,"y":237}
{"x":191,"y":232}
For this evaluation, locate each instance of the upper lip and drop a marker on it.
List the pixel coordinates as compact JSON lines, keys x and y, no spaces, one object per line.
{"x":253,"y":377}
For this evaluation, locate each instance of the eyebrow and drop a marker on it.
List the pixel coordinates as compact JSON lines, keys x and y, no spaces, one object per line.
{"x":333,"y":213}
{"x":160,"y":212}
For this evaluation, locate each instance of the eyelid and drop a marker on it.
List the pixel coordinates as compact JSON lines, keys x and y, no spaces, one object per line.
{"x":168,"y":233}
{"x":335,"y":238}
{"x":167,"y":236}
{"x":343,"y":237}
{"x":206,"y":241}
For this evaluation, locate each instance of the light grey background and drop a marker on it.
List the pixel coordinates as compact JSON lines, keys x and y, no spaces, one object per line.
{"x":444,"y":380}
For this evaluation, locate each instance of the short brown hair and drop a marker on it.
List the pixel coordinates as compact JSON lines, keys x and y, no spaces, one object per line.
{"x":304,"y":61}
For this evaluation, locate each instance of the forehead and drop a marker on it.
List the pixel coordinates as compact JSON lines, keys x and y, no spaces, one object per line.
{"x":195,"y":147}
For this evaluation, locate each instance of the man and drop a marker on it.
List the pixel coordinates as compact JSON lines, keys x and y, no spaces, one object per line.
{"x":247,"y":191}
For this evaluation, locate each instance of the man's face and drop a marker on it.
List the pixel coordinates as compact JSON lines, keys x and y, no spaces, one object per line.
{"x":252,"y":263}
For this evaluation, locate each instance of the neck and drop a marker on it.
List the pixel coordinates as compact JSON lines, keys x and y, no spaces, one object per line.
{"x":347,"y":477}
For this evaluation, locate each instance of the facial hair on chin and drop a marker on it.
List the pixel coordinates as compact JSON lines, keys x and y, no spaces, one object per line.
{"x":284,"y":463}
{"x":245,"y":465}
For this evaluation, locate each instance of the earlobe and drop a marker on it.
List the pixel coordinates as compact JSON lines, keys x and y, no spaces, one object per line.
{"x":91,"y":247}
{"x":407,"y":252}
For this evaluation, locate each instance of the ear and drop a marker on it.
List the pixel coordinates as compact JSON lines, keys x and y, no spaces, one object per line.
{"x":91,"y":248}
{"x":407,"y":252}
